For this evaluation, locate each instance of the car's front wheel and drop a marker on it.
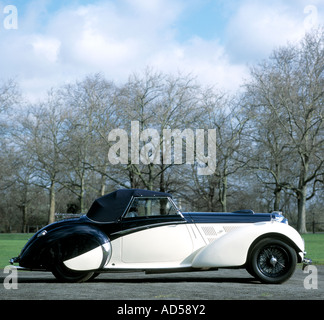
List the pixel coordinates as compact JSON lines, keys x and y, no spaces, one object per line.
{"x":64,"y":274}
{"x":272,"y":261}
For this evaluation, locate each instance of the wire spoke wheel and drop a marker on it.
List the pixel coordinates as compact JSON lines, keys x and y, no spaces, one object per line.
{"x":272,"y":261}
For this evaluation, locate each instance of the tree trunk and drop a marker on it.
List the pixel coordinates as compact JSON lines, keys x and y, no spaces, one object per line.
{"x":102,"y":189}
{"x":24,"y":218}
{"x":302,"y":195}
{"x":162,"y":185}
{"x":277,"y":194}
{"x":82,"y":193}
{"x":301,"y":201}
{"x":51,"y":215}
{"x":223,"y":193}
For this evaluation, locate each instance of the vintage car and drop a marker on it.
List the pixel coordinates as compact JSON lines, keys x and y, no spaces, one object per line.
{"x":140,"y":230}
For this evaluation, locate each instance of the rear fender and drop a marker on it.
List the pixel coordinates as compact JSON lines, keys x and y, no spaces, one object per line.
{"x":79,"y":247}
{"x":232,"y":249}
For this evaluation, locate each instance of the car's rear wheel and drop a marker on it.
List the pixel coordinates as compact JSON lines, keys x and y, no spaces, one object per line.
{"x":272,"y":261}
{"x":64,"y":274}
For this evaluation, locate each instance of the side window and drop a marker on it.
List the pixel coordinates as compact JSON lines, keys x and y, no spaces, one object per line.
{"x":147,"y":207}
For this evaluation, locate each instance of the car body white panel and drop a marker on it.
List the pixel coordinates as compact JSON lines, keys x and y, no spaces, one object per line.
{"x":162,"y":244}
{"x":183,"y":245}
{"x":232,"y":248}
{"x":90,"y":260}
{"x":193,"y":245}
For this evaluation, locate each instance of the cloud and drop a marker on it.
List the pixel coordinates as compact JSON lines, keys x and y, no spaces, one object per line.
{"x":46,"y":48}
{"x":258,"y":27}
{"x":52,"y":47}
{"x":102,"y":37}
{"x":205,"y":59}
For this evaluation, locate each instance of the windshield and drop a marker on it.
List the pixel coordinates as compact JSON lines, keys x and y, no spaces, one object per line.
{"x":146,"y":207}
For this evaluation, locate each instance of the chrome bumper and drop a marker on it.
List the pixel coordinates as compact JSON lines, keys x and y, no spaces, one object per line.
{"x":14,"y":260}
{"x":306,"y":262}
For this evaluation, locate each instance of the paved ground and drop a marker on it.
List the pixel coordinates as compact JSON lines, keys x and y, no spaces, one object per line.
{"x":223,"y":284}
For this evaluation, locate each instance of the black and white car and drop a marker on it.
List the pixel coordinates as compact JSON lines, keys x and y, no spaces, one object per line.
{"x":129,"y":230}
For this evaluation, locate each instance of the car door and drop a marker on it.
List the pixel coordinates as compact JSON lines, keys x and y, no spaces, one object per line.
{"x":154,"y":232}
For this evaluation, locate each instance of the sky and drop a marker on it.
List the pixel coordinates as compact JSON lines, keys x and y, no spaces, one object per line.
{"x":48,"y":43}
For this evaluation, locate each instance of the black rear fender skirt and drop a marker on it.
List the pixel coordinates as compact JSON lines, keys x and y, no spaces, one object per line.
{"x":63,"y":243}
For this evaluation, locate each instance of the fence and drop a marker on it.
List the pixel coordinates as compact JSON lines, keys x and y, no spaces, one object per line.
{"x":62,"y":216}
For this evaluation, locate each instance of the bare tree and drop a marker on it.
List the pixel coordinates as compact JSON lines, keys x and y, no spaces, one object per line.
{"x":268,"y":152}
{"x":155,"y":101}
{"x":222,"y":112}
{"x":90,"y":102}
{"x":9,"y":95}
{"x":290,"y":86}
{"x":40,"y":134}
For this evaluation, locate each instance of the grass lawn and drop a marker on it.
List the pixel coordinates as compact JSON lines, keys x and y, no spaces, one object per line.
{"x":314,"y":246}
{"x":11,"y":245}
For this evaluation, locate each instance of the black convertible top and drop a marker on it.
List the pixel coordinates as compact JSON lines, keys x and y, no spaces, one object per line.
{"x":110,"y":207}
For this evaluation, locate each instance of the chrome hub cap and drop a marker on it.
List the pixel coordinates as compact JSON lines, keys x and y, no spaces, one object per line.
{"x":272,"y":260}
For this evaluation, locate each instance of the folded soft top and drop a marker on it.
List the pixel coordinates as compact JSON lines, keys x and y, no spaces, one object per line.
{"x":110,"y":207}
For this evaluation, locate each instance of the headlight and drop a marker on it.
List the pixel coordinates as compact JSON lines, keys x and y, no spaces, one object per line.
{"x":278,"y":216}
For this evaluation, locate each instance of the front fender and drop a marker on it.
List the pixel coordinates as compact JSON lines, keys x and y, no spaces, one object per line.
{"x":65,"y":242}
{"x":232,"y":249}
